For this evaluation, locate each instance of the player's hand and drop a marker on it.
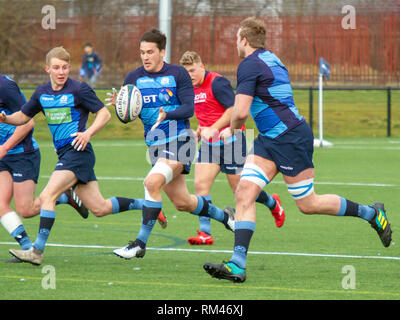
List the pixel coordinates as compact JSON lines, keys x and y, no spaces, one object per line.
{"x":81,"y":140}
{"x":112,"y":100}
{"x":161,"y":117}
{"x":208,"y":133}
{"x":226,"y":134}
{"x":3,"y":117}
{"x":197,"y":134}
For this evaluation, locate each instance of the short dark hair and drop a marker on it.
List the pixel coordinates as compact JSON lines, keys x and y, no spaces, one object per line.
{"x":155,"y":36}
{"x":88,"y":44}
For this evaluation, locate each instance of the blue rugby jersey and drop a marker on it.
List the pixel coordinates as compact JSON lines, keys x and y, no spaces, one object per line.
{"x":263,"y":76}
{"x":90,"y":62}
{"x":66,"y":110}
{"x":11,"y":100}
{"x":170,"y":88}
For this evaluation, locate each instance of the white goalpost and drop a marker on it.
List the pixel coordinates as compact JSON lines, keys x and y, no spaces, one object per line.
{"x":324,"y":70}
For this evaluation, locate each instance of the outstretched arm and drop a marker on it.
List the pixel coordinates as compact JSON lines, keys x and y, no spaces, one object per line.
{"x":16,"y":119}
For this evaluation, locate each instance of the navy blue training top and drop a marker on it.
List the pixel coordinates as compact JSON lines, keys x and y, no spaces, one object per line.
{"x":263,"y":76}
{"x":66,"y":110}
{"x":170,"y":88}
{"x":11,"y":100}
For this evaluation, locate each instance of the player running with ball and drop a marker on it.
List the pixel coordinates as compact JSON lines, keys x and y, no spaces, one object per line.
{"x":168,"y":103}
{"x":284,"y":144}
{"x":214,"y":98}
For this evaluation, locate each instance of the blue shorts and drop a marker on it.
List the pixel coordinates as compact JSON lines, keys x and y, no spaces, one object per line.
{"x":81,"y":163}
{"x":22,"y":166}
{"x":229,"y":156}
{"x":292,"y":152}
{"x":181,"y":149}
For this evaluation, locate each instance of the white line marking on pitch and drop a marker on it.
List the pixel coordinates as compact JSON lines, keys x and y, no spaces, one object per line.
{"x":299,"y":254}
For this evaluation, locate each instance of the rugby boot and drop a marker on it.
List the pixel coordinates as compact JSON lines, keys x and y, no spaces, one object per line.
{"x":278,"y":213}
{"x":381,"y":224}
{"x":228,"y":271}
{"x":202,"y":238}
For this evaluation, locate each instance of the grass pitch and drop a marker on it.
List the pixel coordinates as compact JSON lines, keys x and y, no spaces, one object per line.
{"x":305,"y":259}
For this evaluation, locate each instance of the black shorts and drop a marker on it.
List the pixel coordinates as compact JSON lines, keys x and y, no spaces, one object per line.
{"x":229,"y":156}
{"x":22,"y":166}
{"x":292,"y":152}
{"x":81,"y":163}
{"x":182,"y":149}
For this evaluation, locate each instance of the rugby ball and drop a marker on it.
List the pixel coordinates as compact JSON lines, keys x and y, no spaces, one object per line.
{"x":128,"y":104}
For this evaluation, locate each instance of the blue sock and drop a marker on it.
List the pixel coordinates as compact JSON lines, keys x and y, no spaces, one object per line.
{"x":350,"y":208}
{"x":266,"y":200}
{"x":209,"y":210}
{"x":243,"y":232}
{"x":63,"y":199}
{"x":121,"y":204}
{"x":22,"y":238}
{"x":150,"y":212}
{"x":205,"y":222}
{"x":47,"y":218}
{"x":366,"y":212}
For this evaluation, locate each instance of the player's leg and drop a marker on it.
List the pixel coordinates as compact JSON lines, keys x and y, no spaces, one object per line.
{"x":59,"y":182}
{"x":26,"y":204}
{"x":257,"y":172}
{"x":162,"y":173}
{"x":301,"y":187}
{"x":178,"y":193}
{"x":8,"y":217}
{"x":91,"y":196}
{"x":204,"y":176}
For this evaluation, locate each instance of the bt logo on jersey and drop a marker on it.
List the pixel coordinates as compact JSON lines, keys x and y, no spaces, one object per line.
{"x":150,"y":98}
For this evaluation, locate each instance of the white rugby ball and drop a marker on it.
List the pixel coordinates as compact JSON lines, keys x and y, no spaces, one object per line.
{"x":128,"y":104}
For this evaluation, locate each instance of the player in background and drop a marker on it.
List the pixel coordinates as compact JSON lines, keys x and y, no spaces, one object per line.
{"x":19,"y":168}
{"x":284,"y":144}
{"x":168,"y":103}
{"x":214,"y":98}
{"x":91,"y":65}
{"x":66,"y":104}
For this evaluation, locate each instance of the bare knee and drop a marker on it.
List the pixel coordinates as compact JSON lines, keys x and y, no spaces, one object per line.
{"x":100,"y":209}
{"x":152,"y":184}
{"x":181,"y":205}
{"x":25,"y":211}
{"x":307,"y":207}
{"x":244,"y":197}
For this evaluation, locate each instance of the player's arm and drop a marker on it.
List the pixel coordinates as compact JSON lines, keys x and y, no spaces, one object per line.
{"x":18,"y":135}
{"x":90,"y":101}
{"x":247,"y":77}
{"x":185,"y":93}
{"x":16,"y":119}
{"x":223,"y":92}
{"x":240,"y":111}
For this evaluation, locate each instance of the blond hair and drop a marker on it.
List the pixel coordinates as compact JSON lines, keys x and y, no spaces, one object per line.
{"x":189,"y":58}
{"x":59,"y":53}
{"x":254,"y":30}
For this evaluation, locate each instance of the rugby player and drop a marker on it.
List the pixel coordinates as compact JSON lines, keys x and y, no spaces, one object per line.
{"x":214,"y":98}
{"x":66,"y":104}
{"x":284,"y":145}
{"x":168,"y":103}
